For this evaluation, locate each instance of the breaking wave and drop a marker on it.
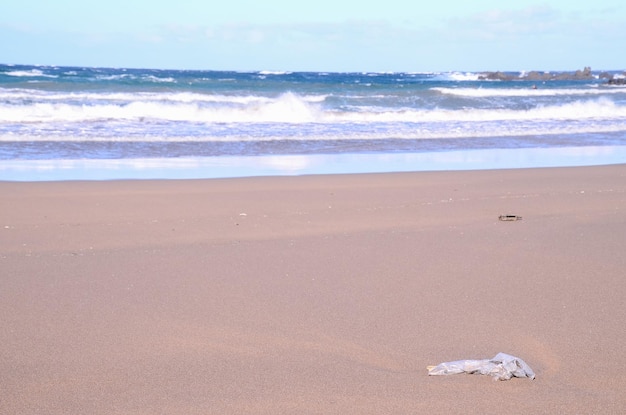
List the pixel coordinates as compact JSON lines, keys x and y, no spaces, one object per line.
{"x":525,"y":92}
{"x":285,"y":108}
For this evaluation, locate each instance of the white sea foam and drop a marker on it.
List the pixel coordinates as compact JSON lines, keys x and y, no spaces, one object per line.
{"x":286,"y":108}
{"x":430,"y":132}
{"x":157,"y":79}
{"x":458,"y":76}
{"x":600,"y":108}
{"x":31,"y":73}
{"x":115,"y":77}
{"x":522,"y":92}
{"x":130,"y":76}
{"x":90,"y":98}
{"x":179,"y":107}
{"x":274,"y":72}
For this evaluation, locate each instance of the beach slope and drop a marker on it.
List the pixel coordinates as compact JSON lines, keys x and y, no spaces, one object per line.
{"x":314,"y":294}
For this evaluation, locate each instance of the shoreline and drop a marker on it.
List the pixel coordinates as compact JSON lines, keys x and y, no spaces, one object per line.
{"x":309,"y":164}
{"x":314,"y":293}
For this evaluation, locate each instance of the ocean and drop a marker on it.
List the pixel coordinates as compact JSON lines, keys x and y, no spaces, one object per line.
{"x":67,"y":123}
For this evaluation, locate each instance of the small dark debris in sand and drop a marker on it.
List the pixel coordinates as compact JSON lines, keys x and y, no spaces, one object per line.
{"x":509,"y":217}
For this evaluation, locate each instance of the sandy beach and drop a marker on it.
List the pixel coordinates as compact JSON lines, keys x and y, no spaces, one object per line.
{"x":314,"y":294}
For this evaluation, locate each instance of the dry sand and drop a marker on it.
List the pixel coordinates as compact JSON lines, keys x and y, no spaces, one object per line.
{"x":314,"y":295}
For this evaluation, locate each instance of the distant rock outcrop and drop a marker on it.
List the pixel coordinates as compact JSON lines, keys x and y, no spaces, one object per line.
{"x":537,"y":76}
{"x":495,"y":76}
{"x":617,"y":81}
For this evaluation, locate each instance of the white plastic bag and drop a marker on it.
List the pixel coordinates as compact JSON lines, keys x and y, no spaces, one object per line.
{"x":502,"y":367}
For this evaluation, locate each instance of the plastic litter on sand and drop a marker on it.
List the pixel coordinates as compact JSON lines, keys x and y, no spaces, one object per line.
{"x":502,"y":367}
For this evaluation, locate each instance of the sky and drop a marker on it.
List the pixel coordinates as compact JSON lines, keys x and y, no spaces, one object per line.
{"x":321,"y":35}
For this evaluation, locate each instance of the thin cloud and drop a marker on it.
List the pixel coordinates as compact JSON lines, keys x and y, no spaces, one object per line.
{"x":536,"y":22}
{"x":257,"y":33}
{"x":499,"y":23}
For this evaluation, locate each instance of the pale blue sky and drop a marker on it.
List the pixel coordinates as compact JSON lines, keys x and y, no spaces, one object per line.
{"x":322,"y":35}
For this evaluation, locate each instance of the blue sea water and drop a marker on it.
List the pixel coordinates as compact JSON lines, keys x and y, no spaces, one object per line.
{"x":101,"y":123}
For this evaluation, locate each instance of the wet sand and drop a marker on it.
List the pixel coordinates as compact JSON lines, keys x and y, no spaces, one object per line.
{"x":314,"y":294}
